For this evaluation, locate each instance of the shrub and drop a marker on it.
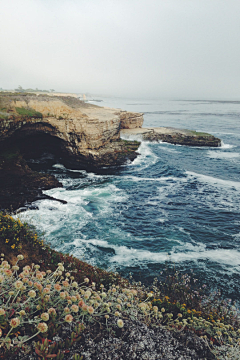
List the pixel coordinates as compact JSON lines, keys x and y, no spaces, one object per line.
{"x":28,"y":113}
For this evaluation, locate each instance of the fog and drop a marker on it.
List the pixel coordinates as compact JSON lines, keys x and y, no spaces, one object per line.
{"x":137,"y":48}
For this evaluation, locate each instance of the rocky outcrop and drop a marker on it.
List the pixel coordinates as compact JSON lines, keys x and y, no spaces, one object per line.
{"x":80,"y":135}
{"x":87,"y":135}
{"x":173,"y":136}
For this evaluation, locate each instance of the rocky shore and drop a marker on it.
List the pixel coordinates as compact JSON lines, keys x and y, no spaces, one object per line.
{"x":173,"y":136}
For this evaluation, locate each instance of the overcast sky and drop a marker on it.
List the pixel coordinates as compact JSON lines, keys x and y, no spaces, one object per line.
{"x":160,"y":48}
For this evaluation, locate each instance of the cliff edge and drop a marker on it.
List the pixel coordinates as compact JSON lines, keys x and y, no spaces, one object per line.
{"x":80,"y":135}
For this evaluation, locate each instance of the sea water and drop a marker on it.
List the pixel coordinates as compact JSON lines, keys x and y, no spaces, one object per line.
{"x":173,"y":204}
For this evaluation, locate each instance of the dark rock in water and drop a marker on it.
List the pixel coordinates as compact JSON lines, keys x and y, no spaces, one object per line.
{"x":20,"y":185}
{"x":174,"y":136}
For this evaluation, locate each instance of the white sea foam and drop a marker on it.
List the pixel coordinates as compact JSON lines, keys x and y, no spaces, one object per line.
{"x":147,"y":157}
{"x":222,"y":155}
{"x":131,"y":257}
{"x":59,"y":166}
{"x":214,"y":181}
{"x":226,"y":146}
{"x":161,"y":179}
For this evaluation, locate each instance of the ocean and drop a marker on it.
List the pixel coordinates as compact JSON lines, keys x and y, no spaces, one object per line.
{"x":174,"y":206}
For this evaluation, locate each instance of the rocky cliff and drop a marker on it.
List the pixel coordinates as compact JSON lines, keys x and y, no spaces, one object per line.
{"x":80,"y":135}
{"x":87,"y":135}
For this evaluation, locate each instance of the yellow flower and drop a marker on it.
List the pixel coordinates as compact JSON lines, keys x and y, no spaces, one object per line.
{"x":13,"y":246}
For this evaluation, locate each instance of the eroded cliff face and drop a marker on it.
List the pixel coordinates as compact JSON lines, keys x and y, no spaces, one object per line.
{"x":80,"y":135}
{"x":87,"y":133}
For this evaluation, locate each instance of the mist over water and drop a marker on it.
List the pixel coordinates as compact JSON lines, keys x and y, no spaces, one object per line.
{"x":173,"y":203}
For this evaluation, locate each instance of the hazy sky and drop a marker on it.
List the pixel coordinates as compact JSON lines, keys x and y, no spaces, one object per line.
{"x":161,"y":48}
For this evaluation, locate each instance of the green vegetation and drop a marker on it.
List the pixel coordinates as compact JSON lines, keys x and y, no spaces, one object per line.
{"x":198,"y":133}
{"x":45,"y":293}
{"x":28,"y":113}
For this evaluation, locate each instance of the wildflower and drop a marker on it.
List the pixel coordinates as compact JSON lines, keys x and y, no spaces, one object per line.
{"x":74,"y":298}
{"x":118,"y":306}
{"x":52,"y":311}
{"x":22,"y":312}
{"x":42,"y":327}
{"x":117,"y":313}
{"x":150,"y":295}
{"x":155,"y":309}
{"x":39,"y":276}
{"x":179,"y":315}
{"x":46,"y":290}
{"x":36,"y":267}
{"x":32,"y":293}
{"x":45,"y":316}
{"x":86,"y":280}
{"x":103,"y":295}
{"x":162,"y":310}
{"x":8,"y":272}
{"x":2,"y":311}
{"x":30,"y":283}
{"x":75,"y":308}
{"x":81,"y":302}
{"x":1,"y":278}
{"x":38,"y":286}
{"x":120,"y":323}
{"x":74,"y":284}
{"x":65,"y":283}
{"x":87,"y":294}
{"x":62,"y":295}
{"x":66,"y":310}
{"x":60,"y":267}
{"x":68,"y":318}
{"x":107,"y":316}
{"x":15,"y":268}
{"x":15,"y":322}
{"x":90,"y":310}
{"x":84,"y":307}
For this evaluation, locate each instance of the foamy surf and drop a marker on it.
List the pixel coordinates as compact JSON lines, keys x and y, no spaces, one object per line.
{"x":214,"y":181}
{"x":125,"y":256}
{"x":146,"y":158}
{"x":226,"y":146}
{"x":222,"y":155}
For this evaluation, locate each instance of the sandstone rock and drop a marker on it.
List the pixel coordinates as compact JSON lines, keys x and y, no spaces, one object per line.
{"x":86,"y":133}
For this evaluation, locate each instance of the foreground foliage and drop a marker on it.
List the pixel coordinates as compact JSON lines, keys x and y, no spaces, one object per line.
{"x":48,"y":299}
